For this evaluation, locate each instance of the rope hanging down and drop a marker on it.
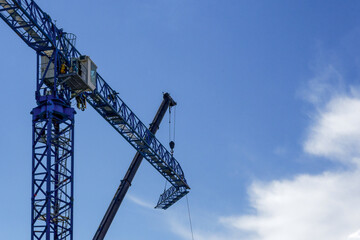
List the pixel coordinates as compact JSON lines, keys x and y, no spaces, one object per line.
{"x":171,"y":140}
{"x":172,"y":145}
{"x":172,"y":136}
{"x":191,"y":228}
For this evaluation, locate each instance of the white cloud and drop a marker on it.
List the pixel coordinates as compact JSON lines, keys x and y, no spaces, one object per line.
{"x":336,"y":133}
{"x":308,"y":207}
{"x":324,"y":206}
{"x":321,"y":207}
{"x":355,"y":235}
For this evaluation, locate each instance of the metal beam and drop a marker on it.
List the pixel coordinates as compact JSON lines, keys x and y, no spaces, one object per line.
{"x":130,"y":174}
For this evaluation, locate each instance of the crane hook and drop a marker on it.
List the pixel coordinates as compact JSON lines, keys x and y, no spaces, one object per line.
{"x":172,"y":145}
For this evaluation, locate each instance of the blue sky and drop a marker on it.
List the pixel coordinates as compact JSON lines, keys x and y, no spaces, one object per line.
{"x":266,"y":123}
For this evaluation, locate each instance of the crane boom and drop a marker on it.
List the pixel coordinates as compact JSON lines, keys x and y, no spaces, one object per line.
{"x":130,"y":174}
{"x":110,"y":106}
{"x":34,"y":26}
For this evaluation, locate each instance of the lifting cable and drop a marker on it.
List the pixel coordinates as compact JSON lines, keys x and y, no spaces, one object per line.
{"x":172,"y":133}
{"x":171,"y":138}
{"x":174,"y":123}
{"x":169,"y":124}
{"x":191,"y":228}
{"x":172,"y":144}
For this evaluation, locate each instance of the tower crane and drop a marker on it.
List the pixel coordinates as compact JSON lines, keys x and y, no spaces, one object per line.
{"x":64,"y":75}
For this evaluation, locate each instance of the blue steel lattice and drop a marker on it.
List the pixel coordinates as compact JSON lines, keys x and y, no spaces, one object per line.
{"x":52,"y":172}
{"x":170,"y":196}
{"x":35,"y":27}
{"x":38,"y":31}
{"x":107,"y":102}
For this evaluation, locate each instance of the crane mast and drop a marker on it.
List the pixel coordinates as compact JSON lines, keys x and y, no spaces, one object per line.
{"x":64,"y":74}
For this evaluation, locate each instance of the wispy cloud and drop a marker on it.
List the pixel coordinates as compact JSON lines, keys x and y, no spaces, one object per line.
{"x":280,"y":151}
{"x":327,"y":83}
{"x":140,"y":202}
{"x":182,"y":229}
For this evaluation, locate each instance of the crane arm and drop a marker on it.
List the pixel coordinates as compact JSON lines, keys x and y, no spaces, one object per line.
{"x":35,"y":27}
{"x":130,"y":174}
{"x":114,"y":110}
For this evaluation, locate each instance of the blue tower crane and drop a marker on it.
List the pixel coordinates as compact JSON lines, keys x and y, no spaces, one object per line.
{"x":64,"y":75}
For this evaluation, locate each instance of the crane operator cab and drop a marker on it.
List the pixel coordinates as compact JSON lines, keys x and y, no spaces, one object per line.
{"x":82,"y":74}
{"x":79,"y":77}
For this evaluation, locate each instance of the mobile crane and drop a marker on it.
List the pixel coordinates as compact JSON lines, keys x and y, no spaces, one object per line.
{"x":125,"y":184}
{"x":64,"y":75}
